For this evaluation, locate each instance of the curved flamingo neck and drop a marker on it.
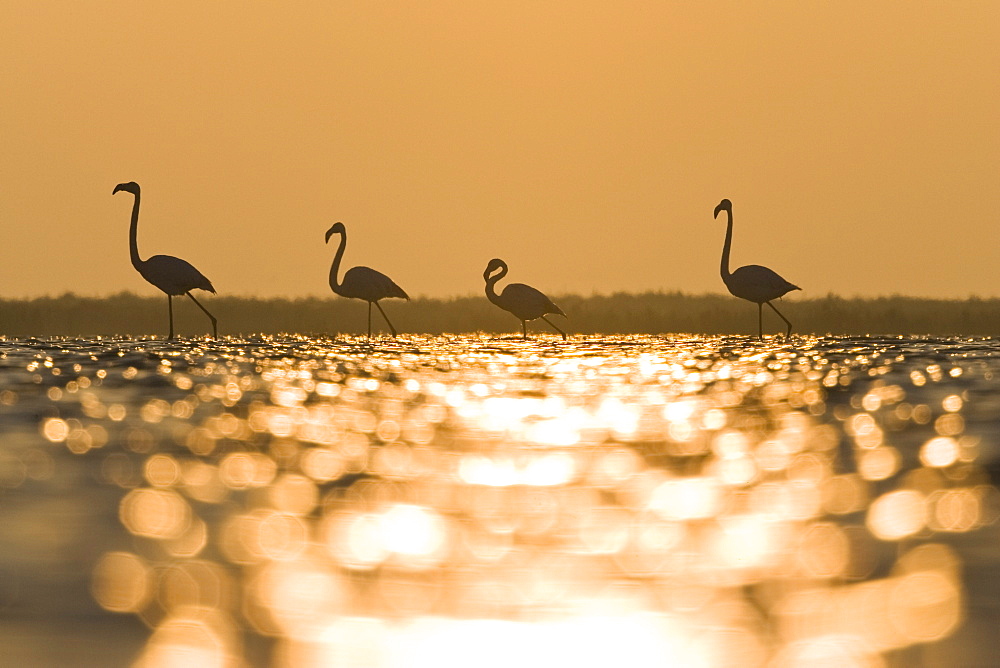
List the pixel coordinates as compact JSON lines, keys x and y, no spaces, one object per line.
{"x":335,"y":267}
{"x":491,"y":282}
{"x":724,"y":267}
{"x":132,"y":244}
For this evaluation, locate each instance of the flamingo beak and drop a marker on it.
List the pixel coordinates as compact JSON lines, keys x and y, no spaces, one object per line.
{"x":329,"y":233}
{"x":717,"y":210}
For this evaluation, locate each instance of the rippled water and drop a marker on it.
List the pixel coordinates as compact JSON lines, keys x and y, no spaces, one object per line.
{"x":462,"y":501}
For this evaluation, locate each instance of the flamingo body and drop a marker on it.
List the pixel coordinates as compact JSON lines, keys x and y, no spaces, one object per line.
{"x":758,"y":284}
{"x":367,"y":284}
{"x":362,"y":282}
{"x":172,"y":275}
{"x":525,"y":302}
{"x":752,"y":282}
{"x":522,"y":301}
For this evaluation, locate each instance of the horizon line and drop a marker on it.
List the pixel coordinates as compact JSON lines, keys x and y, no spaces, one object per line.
{"x":572,"y":295}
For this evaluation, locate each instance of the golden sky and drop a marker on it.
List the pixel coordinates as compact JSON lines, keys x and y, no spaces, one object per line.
{"x":584,"y":142}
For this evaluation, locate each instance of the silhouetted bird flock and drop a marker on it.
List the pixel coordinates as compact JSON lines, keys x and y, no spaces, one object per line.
{"x":176,"y":277}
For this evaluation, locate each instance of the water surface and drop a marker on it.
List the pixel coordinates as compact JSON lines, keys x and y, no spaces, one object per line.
{"x":455,"y":501}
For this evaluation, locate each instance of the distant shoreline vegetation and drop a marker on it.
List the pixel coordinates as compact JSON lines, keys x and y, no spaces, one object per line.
{"x":619,"y":313}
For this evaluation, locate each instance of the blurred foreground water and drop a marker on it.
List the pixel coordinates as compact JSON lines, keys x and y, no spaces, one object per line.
{"x":462,"y":501}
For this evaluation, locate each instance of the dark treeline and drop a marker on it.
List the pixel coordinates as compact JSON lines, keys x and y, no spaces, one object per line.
{"x":620,"y":313}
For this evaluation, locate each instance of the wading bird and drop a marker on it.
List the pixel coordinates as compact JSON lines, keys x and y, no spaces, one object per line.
{"x":754,"y":283}
{"x":170,"y":274}
{"x":362,"y":282}
{"x":524,"y":301}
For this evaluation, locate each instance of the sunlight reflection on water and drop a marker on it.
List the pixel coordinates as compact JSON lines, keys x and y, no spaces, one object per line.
{"x":457,"y":500}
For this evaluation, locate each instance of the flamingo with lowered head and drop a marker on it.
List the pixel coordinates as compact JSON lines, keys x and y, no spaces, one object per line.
{"x":523,"y":301}
{"x":170,"y":274}
{"x":362,"y":282}
{"x":753,"y":282}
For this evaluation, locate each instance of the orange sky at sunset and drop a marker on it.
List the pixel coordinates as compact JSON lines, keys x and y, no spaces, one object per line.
{"x":586,"y":143}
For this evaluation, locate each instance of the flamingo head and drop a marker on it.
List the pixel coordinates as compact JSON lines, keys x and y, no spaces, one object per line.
{"x":724,"y":205}
{"x":337,"y":228}
{"x":494,"y":264}
{"x":130,"y":187}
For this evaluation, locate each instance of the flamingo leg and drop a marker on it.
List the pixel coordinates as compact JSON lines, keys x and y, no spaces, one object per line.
{"x":391,"y":328}
{"x":789,"y":332}
{"x":170,"y":310}
{"x":552,"y":325}
{"x":524,"y":330}
{"x":215,"y":323}
{"x":369,"y":320}
{"x":760,"y":321}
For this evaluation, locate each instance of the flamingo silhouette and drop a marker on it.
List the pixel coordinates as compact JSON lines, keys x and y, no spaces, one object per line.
{"x":523,"y":301}
{"x":753,"y":282}
{"x":362,"y":282}
{"x":170,"y":274}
